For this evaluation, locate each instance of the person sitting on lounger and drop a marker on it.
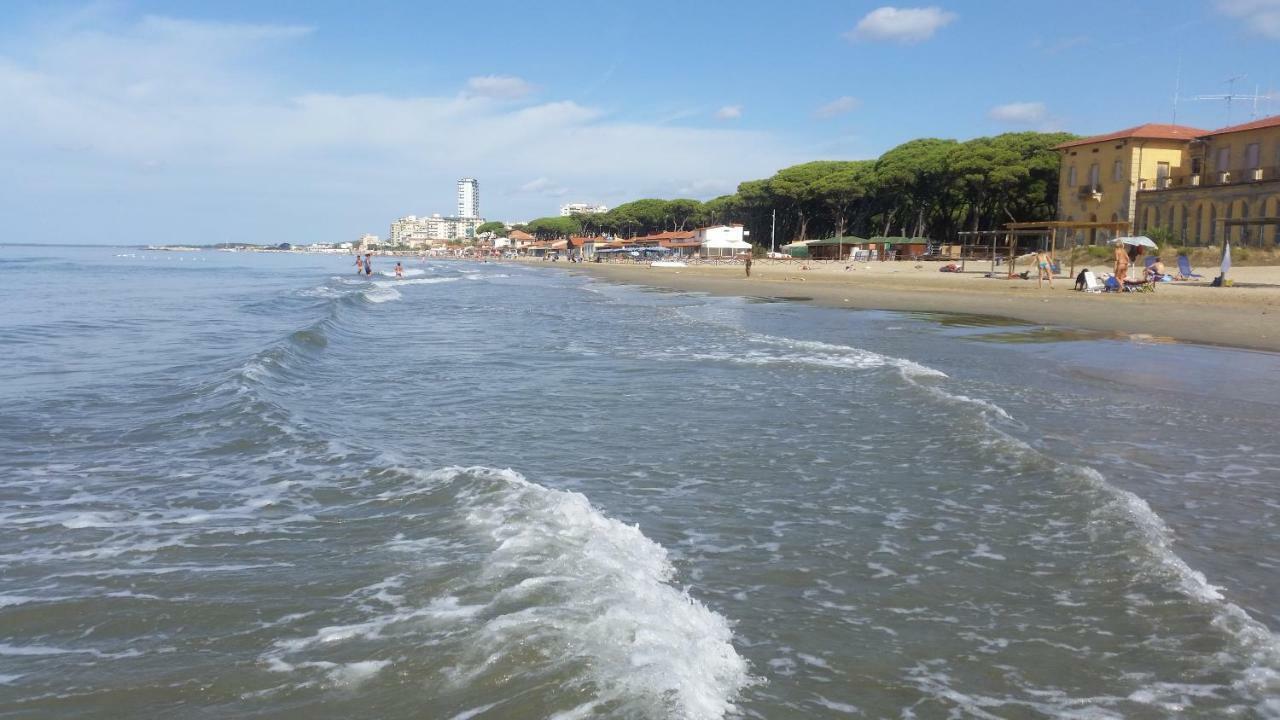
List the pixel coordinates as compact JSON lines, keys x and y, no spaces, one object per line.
{"x":1155,"y":271}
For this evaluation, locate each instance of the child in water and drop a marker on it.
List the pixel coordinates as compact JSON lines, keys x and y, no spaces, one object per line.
{"x":399,"y":271}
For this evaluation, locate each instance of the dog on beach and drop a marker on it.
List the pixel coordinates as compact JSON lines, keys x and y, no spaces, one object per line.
{"x":1080,"y":283}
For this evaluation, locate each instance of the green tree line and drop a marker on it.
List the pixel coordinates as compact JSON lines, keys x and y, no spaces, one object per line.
{"x":927,"y":187}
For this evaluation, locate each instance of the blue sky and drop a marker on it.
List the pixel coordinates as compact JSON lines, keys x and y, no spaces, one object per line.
{"x":141,"y":122}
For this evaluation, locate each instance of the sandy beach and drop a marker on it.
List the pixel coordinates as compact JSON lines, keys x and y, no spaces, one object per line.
{"x":1246,"y":315}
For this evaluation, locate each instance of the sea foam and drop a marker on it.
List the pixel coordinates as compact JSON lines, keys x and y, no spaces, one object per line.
{"x":600,"y":591}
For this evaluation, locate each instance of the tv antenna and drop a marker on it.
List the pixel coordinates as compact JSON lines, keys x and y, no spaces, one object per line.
{"x":1231,"y":96}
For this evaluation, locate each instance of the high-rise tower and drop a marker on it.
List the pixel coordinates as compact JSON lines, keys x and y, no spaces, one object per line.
{"x":468,"y":198}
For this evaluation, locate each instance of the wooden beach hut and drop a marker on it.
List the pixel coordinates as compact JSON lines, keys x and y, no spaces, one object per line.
{"x":837,"y":248}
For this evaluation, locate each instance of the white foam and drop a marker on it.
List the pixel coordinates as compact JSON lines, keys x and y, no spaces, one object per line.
{"x":1262,"y":676}
{"x":603,"y":594}
{"x":381,"y":294}
{"x":356,"y":673}
{"x":392,"y":284}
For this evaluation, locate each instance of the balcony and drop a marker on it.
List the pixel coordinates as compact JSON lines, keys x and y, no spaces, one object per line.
{"x":1209,"y":179}
{"x":1092,"y":191}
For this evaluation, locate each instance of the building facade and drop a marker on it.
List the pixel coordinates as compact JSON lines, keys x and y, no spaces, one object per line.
{"x":1229,"y":182}
{"x":569,"y":209}
{"x":413,"y":231}
{"x":468,"y":198}
{"x":1100,"y":176}
{"x":1199,"y":186}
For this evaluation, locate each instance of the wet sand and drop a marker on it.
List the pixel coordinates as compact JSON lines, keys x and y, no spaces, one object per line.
{"x":1245,"y":316}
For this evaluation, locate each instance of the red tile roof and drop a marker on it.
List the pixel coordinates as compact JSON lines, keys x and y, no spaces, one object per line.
{"x":1154,"y":131}
{"x":1266,"y":122}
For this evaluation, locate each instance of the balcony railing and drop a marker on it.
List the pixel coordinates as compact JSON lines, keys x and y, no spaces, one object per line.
{"x":1091,"y":190}
{"x":1210,"y":179}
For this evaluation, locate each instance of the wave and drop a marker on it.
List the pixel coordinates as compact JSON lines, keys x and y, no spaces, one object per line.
{"x":541,"y":573}
{"x":1148,"y":532}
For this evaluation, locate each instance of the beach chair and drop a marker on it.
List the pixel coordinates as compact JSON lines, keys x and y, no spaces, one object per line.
{"x":1151,"y":260}
{"x":1184,"y":269}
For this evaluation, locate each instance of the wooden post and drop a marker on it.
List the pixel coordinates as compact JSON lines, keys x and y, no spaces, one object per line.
{"x":1012,"y":260}
{"x":1053,"y":244}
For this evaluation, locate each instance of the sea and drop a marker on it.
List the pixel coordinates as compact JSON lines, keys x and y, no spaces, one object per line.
{"x":257,"y":485}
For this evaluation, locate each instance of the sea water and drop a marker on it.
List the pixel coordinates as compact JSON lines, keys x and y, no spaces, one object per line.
{"x":258,"y":485}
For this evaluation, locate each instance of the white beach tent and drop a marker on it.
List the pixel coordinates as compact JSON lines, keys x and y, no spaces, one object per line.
{"x":722,"y":240}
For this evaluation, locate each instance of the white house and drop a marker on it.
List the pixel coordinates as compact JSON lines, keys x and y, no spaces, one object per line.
{"x":721,"y":240}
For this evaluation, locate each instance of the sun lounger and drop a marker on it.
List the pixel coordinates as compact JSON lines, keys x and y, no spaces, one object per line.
{"x":1184,"y":269}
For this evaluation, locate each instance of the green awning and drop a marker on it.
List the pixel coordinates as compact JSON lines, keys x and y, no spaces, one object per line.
{"x":832,"y":242}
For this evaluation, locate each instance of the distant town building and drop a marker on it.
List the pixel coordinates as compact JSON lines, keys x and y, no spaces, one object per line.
{"x":414,"y":231}
{"x":367,"y":241}
{"x":468,"y":198}
{"x":569,"y":209}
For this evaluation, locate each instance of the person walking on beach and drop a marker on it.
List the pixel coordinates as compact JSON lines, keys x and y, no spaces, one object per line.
{"x":748,"y":265}
{"x":1122,"y":263}
{"x":1044,"y":268}
{"x":368,"y":264}
{"x":399,"y":271}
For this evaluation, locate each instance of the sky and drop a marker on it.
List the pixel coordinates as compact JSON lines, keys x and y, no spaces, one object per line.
{"x":308,"y":121}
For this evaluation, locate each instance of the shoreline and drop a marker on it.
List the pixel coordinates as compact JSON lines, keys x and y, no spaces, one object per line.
{"x":1239,"y":317}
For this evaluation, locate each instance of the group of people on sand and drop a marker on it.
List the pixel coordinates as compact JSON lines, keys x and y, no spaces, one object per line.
{"x":1131,"y":256}
{"x":365,"y":265}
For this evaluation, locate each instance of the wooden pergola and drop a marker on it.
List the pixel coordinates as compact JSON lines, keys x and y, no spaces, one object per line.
{"x":1247,"y":222}
{"x":1051,"y":228}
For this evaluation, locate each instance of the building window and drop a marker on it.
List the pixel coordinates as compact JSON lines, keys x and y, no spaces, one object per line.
{"x":1253,"y":156}
{"x":1117,"y":171}
{"x":1224,"y":160}
{"x":1199,"y":219}
{"x":1094,"y":175}
{"x":1213,"y":223}
{"x":1071,"y":176}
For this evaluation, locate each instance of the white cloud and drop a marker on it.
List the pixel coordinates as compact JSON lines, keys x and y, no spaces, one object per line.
{"x":502,"y":87}
{"x":543,"y":186}
{"x":210,"y":136}
{"x":729,"y":112}
{"x":1262,"y":17}
{"x":1019,"y":113}
{"x":839,"y":106}
{"x":904,"y":25}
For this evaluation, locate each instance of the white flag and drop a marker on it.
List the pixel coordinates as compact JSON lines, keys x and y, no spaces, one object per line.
{"x":1226,"y":257}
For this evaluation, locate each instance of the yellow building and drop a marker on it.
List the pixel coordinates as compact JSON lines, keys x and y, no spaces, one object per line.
{"x":1101,"y":176}
{"x":1231,"y":174}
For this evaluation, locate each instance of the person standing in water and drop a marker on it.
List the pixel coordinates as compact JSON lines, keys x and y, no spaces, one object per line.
{"x":359,"y":263}
{"x":368,"y":264}
{"x":399,"y":271}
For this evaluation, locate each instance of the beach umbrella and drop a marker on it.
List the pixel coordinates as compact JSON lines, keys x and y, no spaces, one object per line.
{"x":1139,"y":240}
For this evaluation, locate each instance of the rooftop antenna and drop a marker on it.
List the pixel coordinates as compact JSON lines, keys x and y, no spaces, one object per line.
{"x":1177,"y":87}
{"x":1231,"y":95}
